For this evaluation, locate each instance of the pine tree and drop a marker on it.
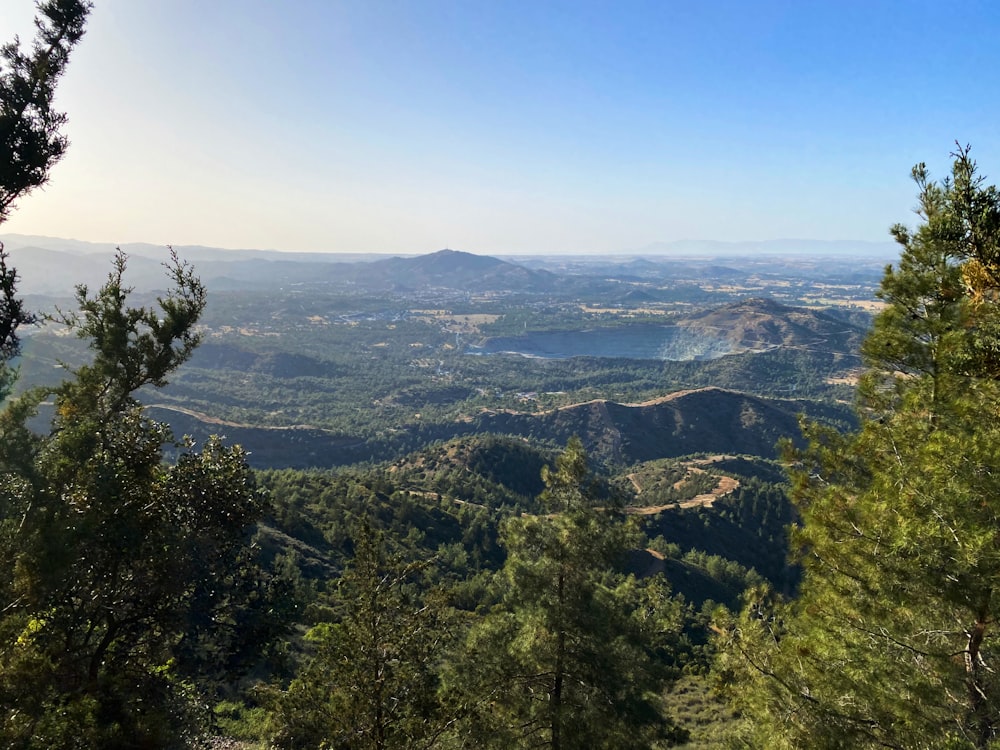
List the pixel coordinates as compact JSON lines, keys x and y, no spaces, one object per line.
{"x":30,"y":138}
{"x":566,"y":660}
{"x":372,"y":682}
{"x":890,"y":642}
{"x":126,"y":582}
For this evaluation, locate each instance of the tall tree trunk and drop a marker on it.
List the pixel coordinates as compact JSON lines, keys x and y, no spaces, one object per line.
{"x":982,"y":718}
{"x":557,"y":682}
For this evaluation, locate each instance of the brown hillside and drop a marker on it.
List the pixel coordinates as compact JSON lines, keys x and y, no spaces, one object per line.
{"x":763,"y":323}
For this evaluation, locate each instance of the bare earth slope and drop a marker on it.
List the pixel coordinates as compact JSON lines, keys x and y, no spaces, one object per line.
{"x":763,"y":323}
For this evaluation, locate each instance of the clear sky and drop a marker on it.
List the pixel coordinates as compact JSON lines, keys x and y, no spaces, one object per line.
{"x":510,"y":126}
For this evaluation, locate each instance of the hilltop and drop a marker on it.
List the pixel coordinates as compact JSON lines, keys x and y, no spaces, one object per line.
{"x":712,"y":420}
{"x":452,"y":269}
{"x":764,"y":322}
{"x":751,"y":325}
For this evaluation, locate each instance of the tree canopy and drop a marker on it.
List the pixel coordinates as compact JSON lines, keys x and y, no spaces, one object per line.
{"x":31,"y":140}
{"x":567,"y":658}
{"x":127,"y":582}
{"x":891,"y":640}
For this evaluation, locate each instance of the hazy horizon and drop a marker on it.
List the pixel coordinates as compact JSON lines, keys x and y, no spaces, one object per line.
{"x":507,"y":128}
{"x":678,"y":248}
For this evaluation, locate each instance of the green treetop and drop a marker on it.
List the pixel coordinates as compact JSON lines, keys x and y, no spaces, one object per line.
{"x":128,"y":584}
{"x":566,"y":660}
{"x":30,"y":138}
{"x":371,"y":683}
{"x":890,"y":642}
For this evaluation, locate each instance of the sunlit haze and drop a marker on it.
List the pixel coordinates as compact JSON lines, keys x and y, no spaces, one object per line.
{"x":509,"y":127}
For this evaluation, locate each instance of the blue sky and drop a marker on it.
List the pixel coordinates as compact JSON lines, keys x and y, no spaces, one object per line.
{"x":509,"y":126}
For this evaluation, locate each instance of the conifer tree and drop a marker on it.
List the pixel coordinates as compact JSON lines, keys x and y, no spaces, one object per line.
{"x":372,"y":682}
{"x":891,"y":640}
{"x":566,"y":660}
{"x":31,"y":141}
{"x":126,"y":583}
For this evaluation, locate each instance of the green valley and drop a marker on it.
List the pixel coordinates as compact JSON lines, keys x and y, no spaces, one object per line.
{"x":360,"y":404}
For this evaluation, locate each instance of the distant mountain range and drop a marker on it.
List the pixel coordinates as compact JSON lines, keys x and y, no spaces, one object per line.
{"x":815,"y":248}
{"x":53,"y":266}
{"x":689,"y":248}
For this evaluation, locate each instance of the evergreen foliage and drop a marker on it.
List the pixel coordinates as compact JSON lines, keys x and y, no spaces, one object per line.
{"x":30,"y":139}
{"x":891,"y":641}
{"x":128,"y":584}
{"x":372,"y":681}
{"x":567,"y":659}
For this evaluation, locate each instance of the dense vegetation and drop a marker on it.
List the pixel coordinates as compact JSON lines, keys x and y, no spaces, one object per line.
{"x":466,"y":551}
{"x":891,"y":640}
{"x":130,"y":585}
{"x":475,"y":579}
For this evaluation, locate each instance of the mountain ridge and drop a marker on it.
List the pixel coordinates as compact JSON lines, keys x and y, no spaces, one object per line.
{"x":700,"y":420}
{"x":709,"y":419}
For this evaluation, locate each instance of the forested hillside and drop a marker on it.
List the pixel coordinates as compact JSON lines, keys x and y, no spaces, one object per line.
{"x":453,"y":501}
